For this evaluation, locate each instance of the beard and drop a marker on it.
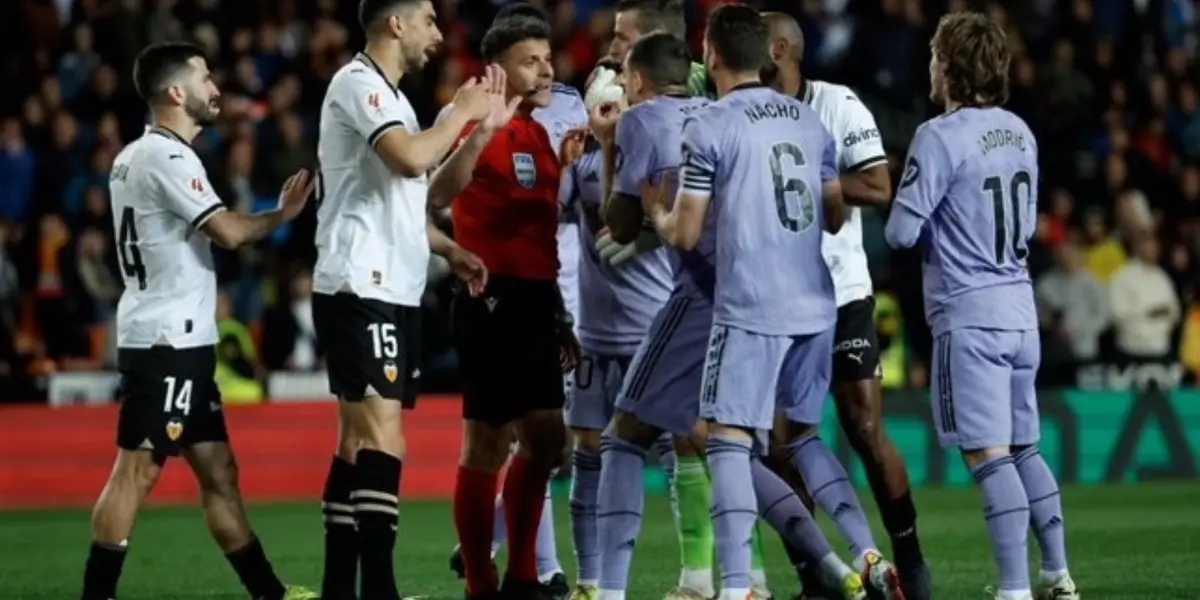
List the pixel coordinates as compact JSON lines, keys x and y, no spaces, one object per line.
{"x":769,"y":72}
{"x":200,"y":111}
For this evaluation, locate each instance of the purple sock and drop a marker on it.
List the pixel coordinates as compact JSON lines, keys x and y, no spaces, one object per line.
{"x":619,"y":509}
{"x":831,"y":490}
{"x":1006,"y":509}
{"x":547,"y":546}
{"x":585,"y":486}
{"x":1045,"y":508}
{"x":734,"y":509}
{"x":782,"y":508}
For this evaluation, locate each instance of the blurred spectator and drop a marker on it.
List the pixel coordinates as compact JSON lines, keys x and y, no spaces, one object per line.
{"x":17,"y":164}
{"x":99,"y":284}
{"x":289,"y":339}
{"x":1103,"y":254}
{"x":1144,"y":304}
{"x":1073,"y":310}
{"x":237,"y":373}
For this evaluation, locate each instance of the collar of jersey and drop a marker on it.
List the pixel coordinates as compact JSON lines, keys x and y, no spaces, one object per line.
{"x":167,"y":133}
{"x":370,"y":62}
{"x":806,"y":91}
{"x":749,"y":85}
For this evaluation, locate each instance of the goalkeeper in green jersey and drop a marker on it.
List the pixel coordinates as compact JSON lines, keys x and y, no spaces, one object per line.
{"x":690,"y":483}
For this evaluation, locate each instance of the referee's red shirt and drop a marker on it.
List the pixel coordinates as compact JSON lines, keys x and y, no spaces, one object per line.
{"x":508,"y":214}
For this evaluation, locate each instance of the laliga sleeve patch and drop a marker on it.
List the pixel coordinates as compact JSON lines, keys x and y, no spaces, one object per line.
{"x":912,"y":170}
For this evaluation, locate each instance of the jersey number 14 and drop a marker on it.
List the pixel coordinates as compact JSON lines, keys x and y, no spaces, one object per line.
{"x":127,"y":247}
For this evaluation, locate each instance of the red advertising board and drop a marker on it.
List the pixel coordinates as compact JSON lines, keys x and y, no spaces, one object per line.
{"x":52,"y":457}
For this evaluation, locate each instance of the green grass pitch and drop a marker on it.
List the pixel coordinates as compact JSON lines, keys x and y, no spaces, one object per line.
{"x":1134,"y":542}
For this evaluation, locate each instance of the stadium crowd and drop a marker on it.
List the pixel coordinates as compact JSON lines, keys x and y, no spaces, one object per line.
{"x":1108,"y":86}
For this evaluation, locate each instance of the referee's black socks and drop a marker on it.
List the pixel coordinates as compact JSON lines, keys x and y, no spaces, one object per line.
{"x":255,"y":571}
{"x":103,"y":570}
{"x":341,"y":541}
{"x":376,"y":510}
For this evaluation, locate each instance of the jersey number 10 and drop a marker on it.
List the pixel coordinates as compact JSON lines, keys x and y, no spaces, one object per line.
{"x":996,"y":186}
{"x":127,"y":247}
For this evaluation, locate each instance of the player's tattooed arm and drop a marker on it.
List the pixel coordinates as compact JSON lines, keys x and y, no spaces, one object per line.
{"x":871,"y":186}
{"x":456,"y":173}
{"x":624,"y":160}
{"x":924,"y":184}
{"x":231,"y":230}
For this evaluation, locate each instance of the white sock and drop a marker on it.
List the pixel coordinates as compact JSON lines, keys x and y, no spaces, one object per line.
{"x":734,"y":594}
{"x":758,"y":578}
{"x":698,"y":580}
{"x":546,"y":577}
{"x":611,"y":595}
{"x":833,"y":570}
{"x":1049,"y":577}
{"x":1014,"y":595}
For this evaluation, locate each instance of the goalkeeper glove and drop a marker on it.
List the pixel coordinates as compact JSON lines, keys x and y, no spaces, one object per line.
{"x":603,"y":89}
{"x":615,"y":253}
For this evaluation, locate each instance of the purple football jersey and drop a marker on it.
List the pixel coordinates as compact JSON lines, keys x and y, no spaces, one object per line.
{"x":763,"y":158}
{"x":616,"y":303}
{"x":969,"y":199}
{"x":648,"y":143}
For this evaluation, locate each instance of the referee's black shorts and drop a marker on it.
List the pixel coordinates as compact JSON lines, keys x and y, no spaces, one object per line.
{"x":372,"y":348}
{"x":508,"y":350}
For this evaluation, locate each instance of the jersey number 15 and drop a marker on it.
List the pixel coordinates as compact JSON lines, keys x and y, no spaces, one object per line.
{"x":995,"y":185}
{"x":127,"y":247}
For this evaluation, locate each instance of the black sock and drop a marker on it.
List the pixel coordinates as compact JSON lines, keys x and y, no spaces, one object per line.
{"x":900,"y":520}
{"x":376,"y":508}
{"x":341,"y":540}
{"x":102,"y":572}
{"x":252,"y":567}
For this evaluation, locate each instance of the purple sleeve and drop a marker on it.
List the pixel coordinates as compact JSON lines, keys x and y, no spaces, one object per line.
{"x":635,"y":155}
{"x":698,"y":170}
{"x":829,"y":164}
{"x":926,"y":173}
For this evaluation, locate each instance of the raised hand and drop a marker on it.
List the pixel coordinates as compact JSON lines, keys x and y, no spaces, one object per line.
{"x":572,"y":145}
{"x":501,"y":109}
{"x":295,"y":193}
{"x":602,"y":119}
{"x":472,"y":99}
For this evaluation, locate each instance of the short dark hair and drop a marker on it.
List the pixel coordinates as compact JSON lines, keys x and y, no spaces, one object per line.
{"x":159,"y":63}
{"x":521,"y":9}
{"x":611,"y":64}
{"x":976,"y":55}
{"x":663,"y":59}
{"x":653,"y":15}
{"x":739,"y":36}
{"x":371,"y":12}
{"x":506,"y":33}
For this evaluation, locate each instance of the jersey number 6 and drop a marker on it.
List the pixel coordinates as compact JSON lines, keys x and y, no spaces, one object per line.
{"x":793,"y":199}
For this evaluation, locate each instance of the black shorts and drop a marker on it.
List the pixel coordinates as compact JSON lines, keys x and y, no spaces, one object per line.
{"x":372,"y":348}
{"x":169,"y":399}
{"x":508,"y":351}
{"x":856,"y":343}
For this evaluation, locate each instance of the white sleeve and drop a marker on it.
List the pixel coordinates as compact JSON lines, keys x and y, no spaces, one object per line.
{"x":371,"y":106}
{"x":862,"y":146}
{"x":183,"y":187}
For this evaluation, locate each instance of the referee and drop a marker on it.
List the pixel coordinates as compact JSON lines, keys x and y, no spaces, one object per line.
{"x":516,"y":339}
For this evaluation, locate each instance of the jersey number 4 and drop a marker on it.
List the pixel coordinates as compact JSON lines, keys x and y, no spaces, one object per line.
{"x":127,"y":247}
{"x":793,"y":199}
{"x":995,"y":185}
